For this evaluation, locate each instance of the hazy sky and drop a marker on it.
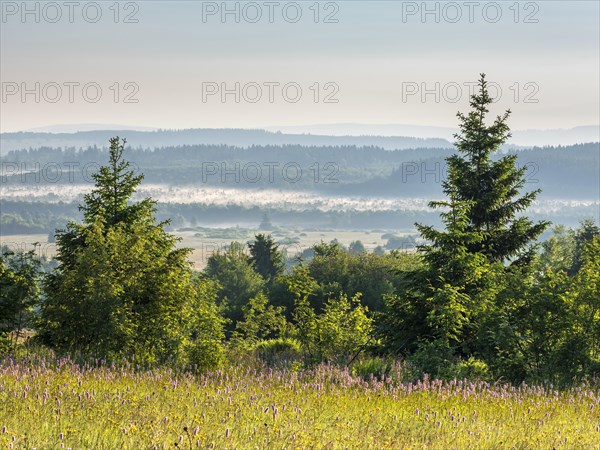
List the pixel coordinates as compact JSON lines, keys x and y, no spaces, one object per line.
{"x":375,"y":58}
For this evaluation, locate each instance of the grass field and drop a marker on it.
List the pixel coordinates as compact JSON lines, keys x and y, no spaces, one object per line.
{"x":52,"y":404}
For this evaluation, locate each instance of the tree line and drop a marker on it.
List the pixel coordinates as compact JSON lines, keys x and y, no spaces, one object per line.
{"x":479,"y":299}
{"x":562,"y":172}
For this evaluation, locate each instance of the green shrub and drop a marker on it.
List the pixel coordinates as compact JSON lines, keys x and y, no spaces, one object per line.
{"x":373,"y":366}
{"x":280,"y":352}
{"x":472,"y":368}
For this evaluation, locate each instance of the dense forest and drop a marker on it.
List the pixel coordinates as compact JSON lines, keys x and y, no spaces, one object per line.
{"x":561,"y":172}
{"x":43,"y":187}
{"x":480,"y":299}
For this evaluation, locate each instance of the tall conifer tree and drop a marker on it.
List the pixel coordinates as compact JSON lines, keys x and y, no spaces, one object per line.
{"x":490,"y":187}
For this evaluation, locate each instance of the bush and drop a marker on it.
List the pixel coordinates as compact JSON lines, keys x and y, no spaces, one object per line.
{"x":280,"y":352}
{"x":374,"y":367}
{"x":432,"y":358}
{"x":472,"y":368}
{"x":205,"y":355}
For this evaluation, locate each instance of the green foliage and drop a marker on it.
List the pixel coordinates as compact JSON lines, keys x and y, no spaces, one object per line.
{"x":436,"y":303}
{"x":558,"y":252}
{"x":279,"y":352}
{"x":368,"y":367}
{"x":356,"y":247}
{"x":471,"y":369}
{"x":115,"y":184}
{"x":545,"y":325}
{"x":207,"y":328}
{"x":344,"y":329}
{"x":19,"y":293}
{"x":265,"y":257}
{"x":475,"y":301}
{"x":300,"y":283}
{"x":449,"y":314}
{"x":337,"y":335}
{"x":436,"y":315}
{"x":307,"y":331}
{"x":585,"y":234}
{"x":438,"y":360}
{"x":261,"y":321}
{"x":122,"y":288}
{"x":583,"y":343}
{"x":564,"y":249}
{"x":432,"y":357}
{"x":490,"y":186}
{"x":374,"y":276}
{"x":238,"y":282}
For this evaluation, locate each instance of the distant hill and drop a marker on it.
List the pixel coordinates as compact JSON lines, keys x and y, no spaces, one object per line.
{"x":386,"y":136}
{"x":235,"y":137}
{"x":520,"y":138}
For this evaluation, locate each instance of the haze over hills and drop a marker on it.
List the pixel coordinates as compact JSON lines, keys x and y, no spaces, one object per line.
{"x":74,"y":128}
{"x":521,"y":138}
{"x":387,"y":136}
{"x":217,"y":136}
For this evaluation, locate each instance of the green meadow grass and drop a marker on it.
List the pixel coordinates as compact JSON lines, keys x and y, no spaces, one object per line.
{"x":53,"y":404}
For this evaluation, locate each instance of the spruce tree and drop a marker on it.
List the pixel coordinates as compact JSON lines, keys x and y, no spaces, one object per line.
{"x":434,"y":317}
{"x":115,"y":184}
{"x":122,"y":287}
{"x":265,"y":257}
{"x":491,"y":187}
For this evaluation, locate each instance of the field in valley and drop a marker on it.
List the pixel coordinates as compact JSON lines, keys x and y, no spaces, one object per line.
{"x":205,"y":243}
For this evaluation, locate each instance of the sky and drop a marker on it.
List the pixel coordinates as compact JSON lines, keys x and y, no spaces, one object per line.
{"x":266,"y":64}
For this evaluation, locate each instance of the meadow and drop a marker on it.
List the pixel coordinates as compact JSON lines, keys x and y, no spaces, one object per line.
{"x":49,"y":403}
{"x":203,"y":245}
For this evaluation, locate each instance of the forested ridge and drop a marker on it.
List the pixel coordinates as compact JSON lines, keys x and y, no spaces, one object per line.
{"x":564,"y":171}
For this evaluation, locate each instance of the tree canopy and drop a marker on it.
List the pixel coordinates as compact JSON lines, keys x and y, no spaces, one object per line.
{"x":122,"y":287}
